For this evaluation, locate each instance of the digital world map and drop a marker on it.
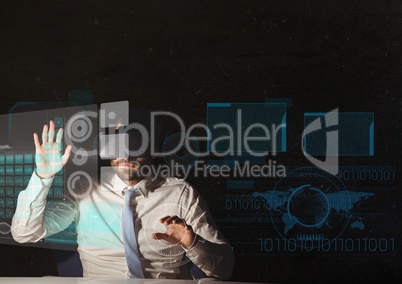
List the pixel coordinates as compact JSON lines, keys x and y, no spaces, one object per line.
{"x":309,"y":207}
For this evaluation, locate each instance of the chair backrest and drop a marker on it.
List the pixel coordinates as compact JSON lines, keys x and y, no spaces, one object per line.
{"x":68,"y":263}
{"x":196,"y":272}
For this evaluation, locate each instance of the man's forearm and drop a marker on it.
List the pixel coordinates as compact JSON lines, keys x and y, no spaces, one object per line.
{"x":27,"y":224}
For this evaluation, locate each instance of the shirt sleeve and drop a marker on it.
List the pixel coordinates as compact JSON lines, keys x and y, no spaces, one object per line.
{"x":34,"y":218}
{"x":211,"y":253}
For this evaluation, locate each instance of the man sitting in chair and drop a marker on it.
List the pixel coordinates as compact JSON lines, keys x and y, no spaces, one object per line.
{"x":130,"y":224}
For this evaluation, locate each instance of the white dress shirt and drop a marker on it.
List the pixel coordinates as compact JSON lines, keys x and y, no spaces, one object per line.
{"x":99,"y":235}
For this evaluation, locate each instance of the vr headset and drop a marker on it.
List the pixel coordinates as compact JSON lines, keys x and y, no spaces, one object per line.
{"x":129,"y":139}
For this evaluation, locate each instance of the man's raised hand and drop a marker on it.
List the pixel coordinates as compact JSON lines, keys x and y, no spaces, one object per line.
{"x":48,"y":155}
{"x":179,"y":232}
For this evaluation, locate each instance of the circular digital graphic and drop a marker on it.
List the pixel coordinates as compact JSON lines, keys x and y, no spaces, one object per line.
{"x":111,"y":115}
{"x":79,"y":128}
{"x":51,"y":206}
{"x":80,"y":157}
{"x":313,"y":206}
{"x":309,"y":204}
{"x":85,"y":184}
{"x":4,"y":228}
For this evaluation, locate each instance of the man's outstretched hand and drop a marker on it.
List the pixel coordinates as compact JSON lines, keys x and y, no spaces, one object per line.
{"x":179,"y":232}
{"x":48,"y":155}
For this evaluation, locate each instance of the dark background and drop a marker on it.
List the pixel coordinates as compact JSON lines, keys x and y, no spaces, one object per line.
{"x":180,"y":55}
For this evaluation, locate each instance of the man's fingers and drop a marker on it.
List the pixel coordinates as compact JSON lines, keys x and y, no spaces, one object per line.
{"x":159,"y":236}
{"x":51,"y":131}
{"x":59,"y":135}
{"x":165,"y":237}
{"x":162,"y":220}
{"x":64,"y":158}
{"x":36,"y":140}
{"x":48,"y":132}
{"x":44,"y":133}
{"x":169,"y":219}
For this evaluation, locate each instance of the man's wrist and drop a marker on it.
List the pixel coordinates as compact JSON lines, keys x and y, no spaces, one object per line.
{"x":193,"y":244}
{"x":41,"y":177}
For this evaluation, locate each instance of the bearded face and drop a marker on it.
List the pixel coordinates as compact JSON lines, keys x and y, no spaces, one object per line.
{"x":129,"y":169}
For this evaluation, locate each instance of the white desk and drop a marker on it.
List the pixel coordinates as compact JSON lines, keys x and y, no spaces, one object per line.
{"x":65,"y":280}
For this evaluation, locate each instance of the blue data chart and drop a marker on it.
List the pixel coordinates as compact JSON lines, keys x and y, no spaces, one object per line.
{"x":246,"y":128}
{"x":355,"y":131}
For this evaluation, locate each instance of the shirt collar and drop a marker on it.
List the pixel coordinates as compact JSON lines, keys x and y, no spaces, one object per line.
{"x":118,"y":185}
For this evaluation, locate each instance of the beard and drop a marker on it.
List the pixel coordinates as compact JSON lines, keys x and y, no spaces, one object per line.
{"x":130,"y":171}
